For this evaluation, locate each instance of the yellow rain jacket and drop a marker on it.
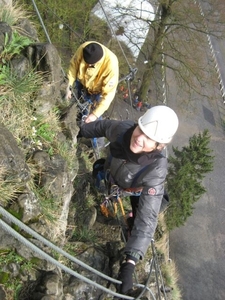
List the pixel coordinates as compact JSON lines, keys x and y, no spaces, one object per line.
{"x":100,"y":79}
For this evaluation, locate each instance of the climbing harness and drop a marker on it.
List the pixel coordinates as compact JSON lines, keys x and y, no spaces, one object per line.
{"x":109,"y":207}
{"x":84,"y":106}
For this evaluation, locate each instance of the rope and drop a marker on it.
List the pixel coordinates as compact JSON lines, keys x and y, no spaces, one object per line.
{"x":113,"y":33}
{"x":129,"y":77}
{"x":163,"y":77}
{"x":130,"y":97}
{"x":45,"y":30}
{"x":133,"y":71}
{"x":42,"y":23}
{"x":46,"y":256}
{"x":81,"y":39}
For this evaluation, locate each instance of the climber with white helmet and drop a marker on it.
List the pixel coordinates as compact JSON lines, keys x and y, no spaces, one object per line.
{"x":136,"y":162}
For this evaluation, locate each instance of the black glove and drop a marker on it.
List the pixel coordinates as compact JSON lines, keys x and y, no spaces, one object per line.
{"x":126,"y":276}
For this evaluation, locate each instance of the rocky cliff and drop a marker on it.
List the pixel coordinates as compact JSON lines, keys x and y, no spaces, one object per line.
{"x":19,"y":158}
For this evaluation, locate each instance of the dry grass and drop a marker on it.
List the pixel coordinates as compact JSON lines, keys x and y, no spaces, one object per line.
{"x":171,"y":276}
{"x":168,"y":267}
{"x":13,"y":14}
{"x":162,"y":244}
{"x":9,"y":186}
{"x":16,"y":95}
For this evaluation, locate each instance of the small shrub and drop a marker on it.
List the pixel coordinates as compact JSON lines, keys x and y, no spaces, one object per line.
{"x":186,"y":172}
{"x":13,"y":47}
{"x":84,"y":235}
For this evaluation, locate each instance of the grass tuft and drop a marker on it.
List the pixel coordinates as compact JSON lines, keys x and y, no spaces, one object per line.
{"x":12,"y":14}
{"x":9,"y":187}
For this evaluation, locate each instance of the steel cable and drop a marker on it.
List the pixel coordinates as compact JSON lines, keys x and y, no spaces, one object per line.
{"x":113,"y":33}
{"x":51,"y":245}
{"x":50,"y":259}
{"x":46,"y":256}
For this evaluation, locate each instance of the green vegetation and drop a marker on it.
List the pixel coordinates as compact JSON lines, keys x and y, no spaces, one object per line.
{"x":13,"y":85}
{"x":13,"y":46}
{"x":186,"y":172}
{"x":8,"y":258}
{"x":15,"y":104}
{"x":18,"y":92}
{"x":84,"y":235}
{"x":223,"y":124}
{"x":49,"y":206}
{"x":45,"y":132}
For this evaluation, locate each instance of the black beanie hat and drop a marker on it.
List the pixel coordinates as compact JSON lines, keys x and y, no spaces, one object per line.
{"x":92,"y":53}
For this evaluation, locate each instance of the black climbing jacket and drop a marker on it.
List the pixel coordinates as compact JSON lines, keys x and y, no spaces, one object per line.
{"x":147,"y":170}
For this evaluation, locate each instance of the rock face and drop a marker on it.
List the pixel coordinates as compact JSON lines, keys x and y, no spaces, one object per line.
{"x":4,"y":29}
{"x":11,"y":157}
{"x":54,"y":173}
{"x":45,"y":58}
{"x":45,"y":279}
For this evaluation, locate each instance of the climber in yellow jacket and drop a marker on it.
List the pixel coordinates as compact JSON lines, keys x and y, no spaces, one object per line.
{"x":94,"y":69}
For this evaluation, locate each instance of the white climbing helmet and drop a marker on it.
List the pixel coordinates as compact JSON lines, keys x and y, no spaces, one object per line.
{"x":159,"y":123}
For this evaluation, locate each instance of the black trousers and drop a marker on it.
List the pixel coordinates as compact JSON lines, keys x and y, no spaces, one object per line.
{"x":134,"y":200}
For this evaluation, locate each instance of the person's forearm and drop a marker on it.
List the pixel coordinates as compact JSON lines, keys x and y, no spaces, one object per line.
{"x":103,"y":104}
{"x":100,"y":128}
{"x":93,"y":129}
